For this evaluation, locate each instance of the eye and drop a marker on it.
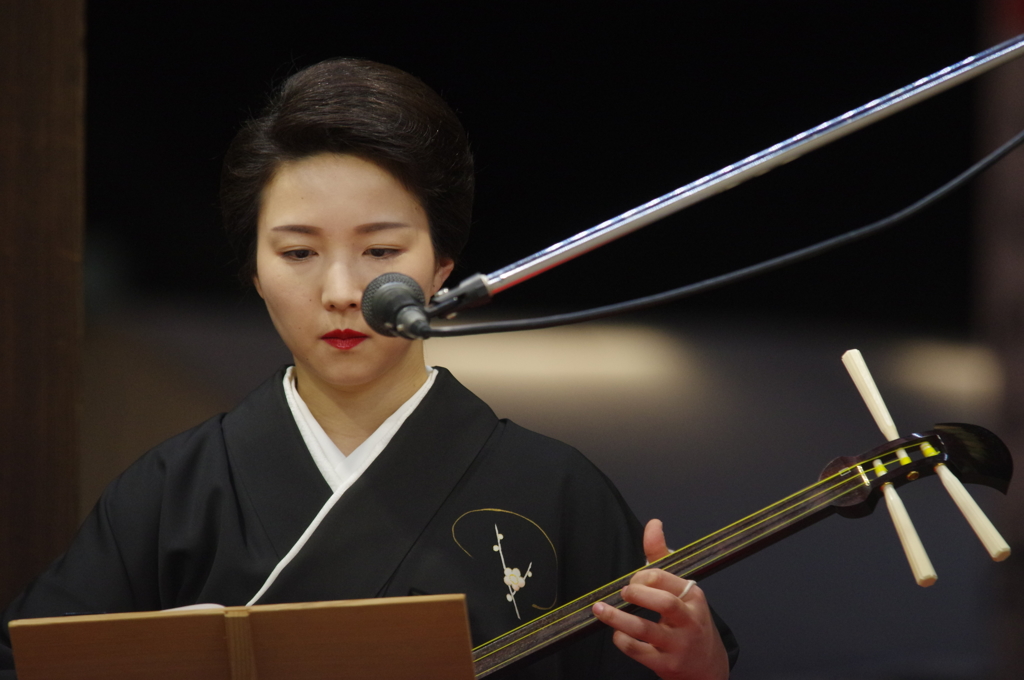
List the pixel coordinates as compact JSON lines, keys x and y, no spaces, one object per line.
{"x":298,"y":255}
{"x":381,"y":253}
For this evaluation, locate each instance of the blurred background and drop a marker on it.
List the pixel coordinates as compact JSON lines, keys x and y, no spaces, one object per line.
{"x":701,"y":412}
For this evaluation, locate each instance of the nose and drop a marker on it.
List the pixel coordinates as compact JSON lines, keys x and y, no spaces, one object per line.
{"x":342,"y":288}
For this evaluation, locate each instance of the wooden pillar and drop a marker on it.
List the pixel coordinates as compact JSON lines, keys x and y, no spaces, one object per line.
{"x":42,"y":81}
{"x":1000,"y":229}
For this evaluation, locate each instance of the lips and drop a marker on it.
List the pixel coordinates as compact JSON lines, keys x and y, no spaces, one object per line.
{"x":346,"y":339}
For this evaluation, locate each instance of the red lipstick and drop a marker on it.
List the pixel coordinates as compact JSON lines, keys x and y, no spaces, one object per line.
{"x":346,"y":339}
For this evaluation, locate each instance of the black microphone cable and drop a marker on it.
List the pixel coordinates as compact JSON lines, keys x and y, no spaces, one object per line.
{"x":735,"y":275}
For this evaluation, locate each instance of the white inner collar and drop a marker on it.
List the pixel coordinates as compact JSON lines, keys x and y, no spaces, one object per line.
{"x":338,"y":469}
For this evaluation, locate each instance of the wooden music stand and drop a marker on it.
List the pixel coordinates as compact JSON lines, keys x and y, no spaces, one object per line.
{"x":419,"y":638}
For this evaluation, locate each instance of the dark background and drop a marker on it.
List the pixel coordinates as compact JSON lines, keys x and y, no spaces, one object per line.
{"x":576,"y":113}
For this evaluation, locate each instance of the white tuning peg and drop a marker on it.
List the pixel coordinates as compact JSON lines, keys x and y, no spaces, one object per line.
{"x":920,"y":565}
{"x":997,"y":547}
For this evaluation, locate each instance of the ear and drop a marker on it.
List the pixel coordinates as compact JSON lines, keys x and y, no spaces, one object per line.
{"x":444,"y":269}
{"x":256,"y":284}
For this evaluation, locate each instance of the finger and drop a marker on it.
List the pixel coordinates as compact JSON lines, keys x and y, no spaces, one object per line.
{"x":630,"y":625}
{"x":662,"y":580}
{"x":665,"y":665}
{"x":638,"y":650}
{"x":654,"y":541}
{"x":680,"y":603}
{"x":674,"y":612}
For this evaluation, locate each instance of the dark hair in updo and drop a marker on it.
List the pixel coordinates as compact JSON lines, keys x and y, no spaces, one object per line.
{"x":351,"y":106}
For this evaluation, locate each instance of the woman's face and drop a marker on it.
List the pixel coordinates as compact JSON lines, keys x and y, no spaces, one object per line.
{"x":328,"y":225}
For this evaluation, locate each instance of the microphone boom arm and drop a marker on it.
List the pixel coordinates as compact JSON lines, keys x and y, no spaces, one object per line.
{"x":480,"y":286}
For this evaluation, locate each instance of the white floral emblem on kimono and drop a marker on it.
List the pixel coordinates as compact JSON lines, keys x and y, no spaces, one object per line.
{"x":514,"y":579}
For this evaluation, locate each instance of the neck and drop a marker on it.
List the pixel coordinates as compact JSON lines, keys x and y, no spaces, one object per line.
{"x":350,"y":414}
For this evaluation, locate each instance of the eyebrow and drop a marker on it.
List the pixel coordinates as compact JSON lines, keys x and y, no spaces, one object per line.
{"x":380,"y":226}
{"x":361,"y":229}
{"x":296,"y":229}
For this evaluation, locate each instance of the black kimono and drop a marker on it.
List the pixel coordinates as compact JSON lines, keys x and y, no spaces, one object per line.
{"x":454,"y":504}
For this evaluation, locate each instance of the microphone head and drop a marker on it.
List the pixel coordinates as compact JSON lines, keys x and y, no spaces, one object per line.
{"x":386,"y":296}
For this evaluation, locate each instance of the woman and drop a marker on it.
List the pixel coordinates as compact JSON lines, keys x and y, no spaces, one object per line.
{"x":359,"y":471}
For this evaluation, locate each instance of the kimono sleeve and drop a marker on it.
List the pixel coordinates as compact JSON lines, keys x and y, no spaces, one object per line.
{"x":100,"y":572}
{"x":119,"y":560}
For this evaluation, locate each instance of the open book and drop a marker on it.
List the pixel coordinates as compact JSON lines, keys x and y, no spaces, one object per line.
{"x":422,"y":638}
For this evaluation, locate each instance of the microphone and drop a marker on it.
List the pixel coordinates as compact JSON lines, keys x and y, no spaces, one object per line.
{"x":393,"y":304}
